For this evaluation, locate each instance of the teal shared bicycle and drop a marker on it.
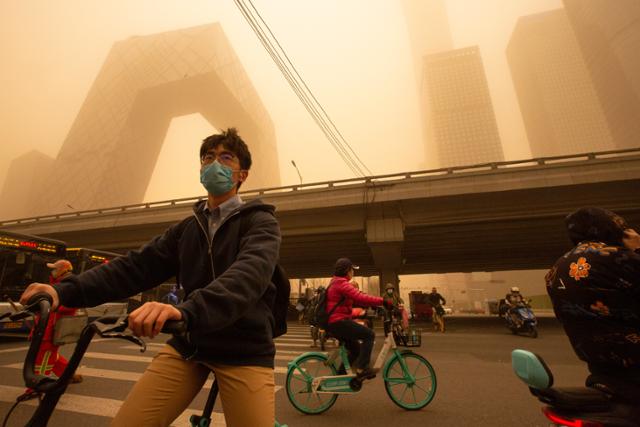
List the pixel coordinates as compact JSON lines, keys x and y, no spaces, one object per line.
{"x":313,"y":383}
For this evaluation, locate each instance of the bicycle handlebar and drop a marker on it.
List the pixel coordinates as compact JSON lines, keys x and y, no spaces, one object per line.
{"x":43,"y":304}
{"x":106,"y":326}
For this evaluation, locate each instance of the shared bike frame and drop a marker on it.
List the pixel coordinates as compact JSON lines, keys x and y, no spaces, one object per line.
{"x":313,"y":376}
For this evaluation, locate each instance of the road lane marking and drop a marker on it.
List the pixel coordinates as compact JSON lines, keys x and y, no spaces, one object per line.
{"x":124,"y":375}
{"x":99,"y":406}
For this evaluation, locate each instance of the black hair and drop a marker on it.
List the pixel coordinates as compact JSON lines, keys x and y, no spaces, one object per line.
{"x":232,"y":142}
{"x":596,"y":224}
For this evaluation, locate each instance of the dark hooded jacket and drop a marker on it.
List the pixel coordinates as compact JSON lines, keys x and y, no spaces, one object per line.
{"x":227,"y":283}
{"x":595,"y":290}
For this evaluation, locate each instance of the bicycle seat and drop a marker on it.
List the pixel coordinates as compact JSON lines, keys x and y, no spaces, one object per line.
{"x":575,"y":398}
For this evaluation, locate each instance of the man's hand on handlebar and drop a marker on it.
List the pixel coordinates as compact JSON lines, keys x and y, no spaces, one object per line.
{"x":148,"y":320}
{"x":37,"y":288}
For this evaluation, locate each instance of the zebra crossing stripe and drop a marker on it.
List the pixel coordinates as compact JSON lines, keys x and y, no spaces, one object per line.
{"x":120,"y":375}
{"x":287,"y":339}
{"x":99,"y":406}
{"x":281,"y":355}
{"x":124,"y":375}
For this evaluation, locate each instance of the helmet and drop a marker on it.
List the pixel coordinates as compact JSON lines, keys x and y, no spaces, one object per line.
{"x":389,"y":286}
{"x":515,"y":289}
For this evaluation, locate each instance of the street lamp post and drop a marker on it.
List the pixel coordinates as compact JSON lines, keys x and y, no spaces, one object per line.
{"x":297,"y":170}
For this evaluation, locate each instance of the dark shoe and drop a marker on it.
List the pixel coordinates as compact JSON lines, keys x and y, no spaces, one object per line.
{"x":366,"y":373}
{"x":76,"y":378}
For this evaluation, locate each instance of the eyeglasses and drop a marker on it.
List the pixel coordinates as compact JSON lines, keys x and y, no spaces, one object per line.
{"x":225,"y":157}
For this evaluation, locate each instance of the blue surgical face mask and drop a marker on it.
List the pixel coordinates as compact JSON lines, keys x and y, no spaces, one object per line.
{"x":217,"y":178}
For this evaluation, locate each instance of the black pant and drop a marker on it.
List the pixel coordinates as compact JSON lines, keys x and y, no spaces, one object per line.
{"x":350,"y":332}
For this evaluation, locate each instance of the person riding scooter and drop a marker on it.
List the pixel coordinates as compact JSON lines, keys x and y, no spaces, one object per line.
{"x":513,"y":300}
{"x":595,"y":291}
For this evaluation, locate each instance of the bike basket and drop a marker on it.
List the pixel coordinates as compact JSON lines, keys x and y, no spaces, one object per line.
{"x":413,"y":338}
{"x":68,"y":329}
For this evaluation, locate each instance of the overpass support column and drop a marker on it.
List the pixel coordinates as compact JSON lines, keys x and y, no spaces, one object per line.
{"x":385,"y":238}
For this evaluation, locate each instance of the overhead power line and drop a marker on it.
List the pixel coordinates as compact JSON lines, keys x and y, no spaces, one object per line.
{"x":300,"y":88}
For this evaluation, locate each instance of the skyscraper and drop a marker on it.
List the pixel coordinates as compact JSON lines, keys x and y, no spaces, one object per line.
{"x":464,"y":123}
{"x":111,"y":150}
{"x":23,"y":178}
{"x":608,"y":33}
{"x":429,"y":32}
{"x":559,"y":105}
{"x":428,"y":28}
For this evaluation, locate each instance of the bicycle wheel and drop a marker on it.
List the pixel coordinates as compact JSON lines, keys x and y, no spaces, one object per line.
{"x":414,"y":388}
{"x":298,"y":384}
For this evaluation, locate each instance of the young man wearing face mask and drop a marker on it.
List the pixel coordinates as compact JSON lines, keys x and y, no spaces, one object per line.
{"x":595,"y":290}
{"x":225,"y":254}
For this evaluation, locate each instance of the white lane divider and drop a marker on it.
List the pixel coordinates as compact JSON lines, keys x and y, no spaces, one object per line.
{"x":97,"y":406}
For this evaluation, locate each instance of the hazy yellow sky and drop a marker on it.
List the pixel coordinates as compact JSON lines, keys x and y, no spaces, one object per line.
{"x":354,"y":55}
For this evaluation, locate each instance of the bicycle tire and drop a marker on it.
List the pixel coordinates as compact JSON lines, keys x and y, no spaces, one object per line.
{"x":397,"y":385}
{"x":298,"y":384}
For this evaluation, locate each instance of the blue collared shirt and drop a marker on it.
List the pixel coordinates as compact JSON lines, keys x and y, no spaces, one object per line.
{"x":218,"y":215}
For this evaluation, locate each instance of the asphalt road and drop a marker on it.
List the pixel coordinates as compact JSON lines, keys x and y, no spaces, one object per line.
{"x":472,"y":361}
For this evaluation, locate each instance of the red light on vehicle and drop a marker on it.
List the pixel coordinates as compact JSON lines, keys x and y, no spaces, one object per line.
{"x":32,"y":245}
{"x":565,"y":422}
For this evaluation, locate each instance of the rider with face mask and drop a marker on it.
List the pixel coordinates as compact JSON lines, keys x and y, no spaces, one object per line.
{"x":225,"y":254}
{"x":390,"y":292}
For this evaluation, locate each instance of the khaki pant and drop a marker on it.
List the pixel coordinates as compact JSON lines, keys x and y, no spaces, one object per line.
{"x":170,"y":383}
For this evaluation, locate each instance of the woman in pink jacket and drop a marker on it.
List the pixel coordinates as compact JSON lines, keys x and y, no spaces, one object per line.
{"x":341,"y":295}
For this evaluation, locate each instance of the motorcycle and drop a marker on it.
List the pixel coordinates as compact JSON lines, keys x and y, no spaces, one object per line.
{"x":573,"y":406}
{"x":520,"y":319}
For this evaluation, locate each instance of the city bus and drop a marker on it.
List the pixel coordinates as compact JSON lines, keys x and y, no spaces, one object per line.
{"x":84,"y":259}
{"x":23,"y":260}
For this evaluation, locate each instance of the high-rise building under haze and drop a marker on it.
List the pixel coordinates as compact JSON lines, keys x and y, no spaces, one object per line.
{"x":113,"y":145}
{"x":608,"y":33}
{"x":428,"y":28}
{"x":559,"y":105}
{"x":464,"y":123}
{"x":429,"y":32}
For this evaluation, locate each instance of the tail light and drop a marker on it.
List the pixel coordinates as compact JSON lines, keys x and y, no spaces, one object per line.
{"x":568,"y":422}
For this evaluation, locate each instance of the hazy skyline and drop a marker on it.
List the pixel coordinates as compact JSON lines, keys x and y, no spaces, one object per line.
{"x":355,"y":56}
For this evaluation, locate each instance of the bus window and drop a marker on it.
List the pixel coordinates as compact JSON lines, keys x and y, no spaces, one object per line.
{"x":84,"y":259}
{"x":23,"y":260}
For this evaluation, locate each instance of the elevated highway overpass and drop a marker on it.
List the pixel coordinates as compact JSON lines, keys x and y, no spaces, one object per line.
{"x":489,"y":217}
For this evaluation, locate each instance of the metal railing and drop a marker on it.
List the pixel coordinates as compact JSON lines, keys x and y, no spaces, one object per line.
{"x":372,"y":180}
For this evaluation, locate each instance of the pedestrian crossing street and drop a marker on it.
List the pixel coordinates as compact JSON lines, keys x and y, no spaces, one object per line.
{"x":111,"y":367}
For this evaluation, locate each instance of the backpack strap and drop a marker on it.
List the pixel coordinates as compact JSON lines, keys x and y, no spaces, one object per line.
{"x":342,"y":299}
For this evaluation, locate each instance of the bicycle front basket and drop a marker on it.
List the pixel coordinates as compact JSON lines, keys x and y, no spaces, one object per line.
{"x":68,"y":329}
{"x":413,"y":338}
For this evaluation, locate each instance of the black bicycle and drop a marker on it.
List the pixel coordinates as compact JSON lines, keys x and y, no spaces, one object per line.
{"x":49,"y":390}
